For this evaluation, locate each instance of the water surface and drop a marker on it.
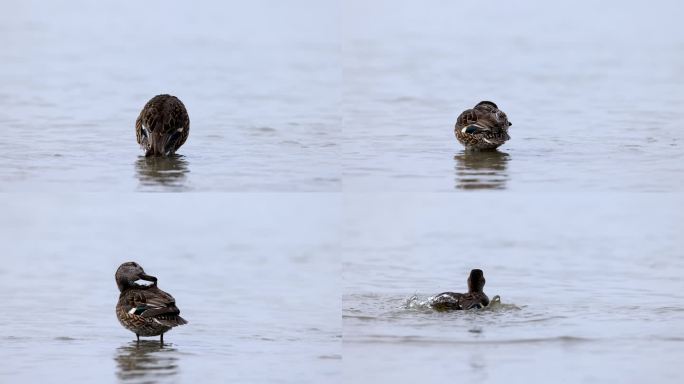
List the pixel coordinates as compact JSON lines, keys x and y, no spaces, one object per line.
{"x":261,"y":82}
{"x":249,"y":302}
{"x":594,"y":92}
{"x":590,"y":287}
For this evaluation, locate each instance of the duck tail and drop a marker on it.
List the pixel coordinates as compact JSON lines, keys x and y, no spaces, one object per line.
{"x":170,"y":321}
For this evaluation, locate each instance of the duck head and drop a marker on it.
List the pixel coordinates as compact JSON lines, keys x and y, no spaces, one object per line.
{"x":486,"y":106}
{"x":492,"y":114}
{"x":161,"y":144}
{"x":128,"y":273}
{"x":476,"y":281}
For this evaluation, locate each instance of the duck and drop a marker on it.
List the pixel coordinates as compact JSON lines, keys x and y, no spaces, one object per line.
{"x":144,"y":310}
{"x":474,"y":299}
{"x":482,"y":128}
{"x":162,"y":126}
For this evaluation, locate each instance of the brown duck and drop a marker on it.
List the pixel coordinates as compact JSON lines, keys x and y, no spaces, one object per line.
{"x":145,"y":310}
{"x":475,"y":298}
{"x":484,"y":127}
{"x":162,"y":126}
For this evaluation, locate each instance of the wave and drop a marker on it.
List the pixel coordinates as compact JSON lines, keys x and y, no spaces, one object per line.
{"x":425,"y":304}
{"x":391,"y":339}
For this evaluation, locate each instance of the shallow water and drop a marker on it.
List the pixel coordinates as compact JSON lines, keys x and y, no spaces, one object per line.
{"x":590,"y":288}
{"x":261,"y":83}
{"x":357,"y":98}
{"x":248,"y":302}
{"x":275,"y":104}
{"x":594,"y":92}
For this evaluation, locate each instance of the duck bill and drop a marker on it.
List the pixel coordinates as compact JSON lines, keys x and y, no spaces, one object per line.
{"x":162,"y":144}
{"x":146,"y":277}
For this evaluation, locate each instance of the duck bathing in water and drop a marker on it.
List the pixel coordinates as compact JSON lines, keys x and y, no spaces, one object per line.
{"x":162,"y":126}
{"x":474,"y":299}
{"x":144,"y":310}
{"x":482,"y":128}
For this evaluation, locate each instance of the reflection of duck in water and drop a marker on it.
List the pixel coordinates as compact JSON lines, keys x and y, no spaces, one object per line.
{"x":144,"y":309}
{"x":481,"y":170}
{"x":166,"y":171}
{"x":145,"y":362}
{"x":482,"y":128}
{"x":474,"y":299}
{"x":162,"y":126}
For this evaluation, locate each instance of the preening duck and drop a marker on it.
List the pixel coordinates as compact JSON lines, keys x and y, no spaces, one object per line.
{"x":145,"y":310}
{"x":162,"y":126}
{"x":484,"y":127}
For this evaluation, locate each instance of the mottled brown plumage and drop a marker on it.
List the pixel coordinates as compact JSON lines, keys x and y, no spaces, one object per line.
{"x":484,"y":127}
{"x":162,"y":126}
{"x":475,"y":298}
{"x":145,"y":310}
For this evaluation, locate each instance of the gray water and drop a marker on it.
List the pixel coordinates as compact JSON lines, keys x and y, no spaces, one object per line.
{"x":590,"y":287}
{"x":325,"y":198}
{"x":261,"y":90}
{"x":316,"y":96}
{"x":594,"y":91}
{"x":252,"y":315}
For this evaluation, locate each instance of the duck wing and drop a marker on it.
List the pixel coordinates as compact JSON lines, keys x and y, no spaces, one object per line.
{"x":164,"y":113}
{"x":466,"y":118}
{"x":473,"y":300}
{"x":156,"y":304}
{"x":474,"y":122}
{"x":445,"y":301}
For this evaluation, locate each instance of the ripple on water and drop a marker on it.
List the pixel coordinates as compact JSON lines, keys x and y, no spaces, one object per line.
{"x":481,"y":170}
{"x":65,"y":338}
{"x":162,"y":173}
{"x":393,"y":339}
{"x":145,"y":361}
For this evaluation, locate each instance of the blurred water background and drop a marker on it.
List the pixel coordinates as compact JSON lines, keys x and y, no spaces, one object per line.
{"x":257,"y":277}
{"x":260,"y":80}
{"x":590,"y":287}
{"x":355,"y":97}
{"x":594,"y":91}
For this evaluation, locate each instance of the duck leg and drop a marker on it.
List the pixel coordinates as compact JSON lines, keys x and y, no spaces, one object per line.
{"x":161,"y":340}
{"x":138,"y":336}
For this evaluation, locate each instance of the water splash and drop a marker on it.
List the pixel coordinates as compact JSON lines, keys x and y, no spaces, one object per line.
{"x":418,"y":303}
